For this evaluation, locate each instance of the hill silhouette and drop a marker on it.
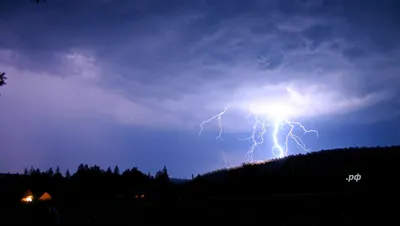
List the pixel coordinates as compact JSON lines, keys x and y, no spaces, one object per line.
{"x":303,"y":188}
{"x":323,"y":171}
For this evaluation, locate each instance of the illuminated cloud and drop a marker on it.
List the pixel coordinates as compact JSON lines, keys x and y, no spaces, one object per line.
{"x":169,"y":66}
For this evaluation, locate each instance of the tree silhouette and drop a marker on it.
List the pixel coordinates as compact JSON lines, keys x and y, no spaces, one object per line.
{"x":81,"y":170}
{"x":116,"y":171}
{"x":50,"y":172}
{"x":109,"y":171}
{"x":26,"y":171}
{"x":162,"y":175}
{"x":31,"y":171}
{"x":67,"y":174}
{"x":3,"y":79}
{"x":58,"y":172}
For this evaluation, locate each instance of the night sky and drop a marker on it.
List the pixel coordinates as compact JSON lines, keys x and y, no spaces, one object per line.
{"x":128,"y":83}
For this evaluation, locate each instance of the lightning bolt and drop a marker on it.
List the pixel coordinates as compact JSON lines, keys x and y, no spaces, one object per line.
{"x":260,"y":129}
{"x":219,"y":118}
{"x":225,"y":161}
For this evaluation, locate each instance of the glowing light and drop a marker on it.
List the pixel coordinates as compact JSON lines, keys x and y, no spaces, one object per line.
{"x":274,"y":111}
{"x":28,"y":198}
{"x":275,"y":115}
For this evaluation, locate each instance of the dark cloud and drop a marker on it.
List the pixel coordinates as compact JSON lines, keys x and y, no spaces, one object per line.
{"x":318,"y":34}
{"x":354,"y":53}
{"x":171,"y":64}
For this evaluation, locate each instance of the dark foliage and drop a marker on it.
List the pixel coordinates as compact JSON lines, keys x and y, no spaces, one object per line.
{"x":3,"y":79}
{"x":302,"y":189}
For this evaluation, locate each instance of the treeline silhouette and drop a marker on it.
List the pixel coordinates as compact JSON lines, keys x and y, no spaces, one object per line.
{"x":89,"y":182}
{"x":312,"y":185}
{"x":90,"y":191}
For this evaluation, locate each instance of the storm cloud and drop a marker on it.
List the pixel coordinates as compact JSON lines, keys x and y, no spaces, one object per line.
{"x":167,"y":66}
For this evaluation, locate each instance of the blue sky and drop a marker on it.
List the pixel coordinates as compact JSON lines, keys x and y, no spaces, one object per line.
{"x":128,"y":83}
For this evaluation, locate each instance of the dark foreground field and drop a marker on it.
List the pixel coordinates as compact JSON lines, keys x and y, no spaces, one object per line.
{"x":307,"y":189}
{"x":300,"y":209}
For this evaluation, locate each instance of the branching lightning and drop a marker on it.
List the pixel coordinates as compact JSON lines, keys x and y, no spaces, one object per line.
{"x":219,"y":118}
{"x":275,"y":118}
